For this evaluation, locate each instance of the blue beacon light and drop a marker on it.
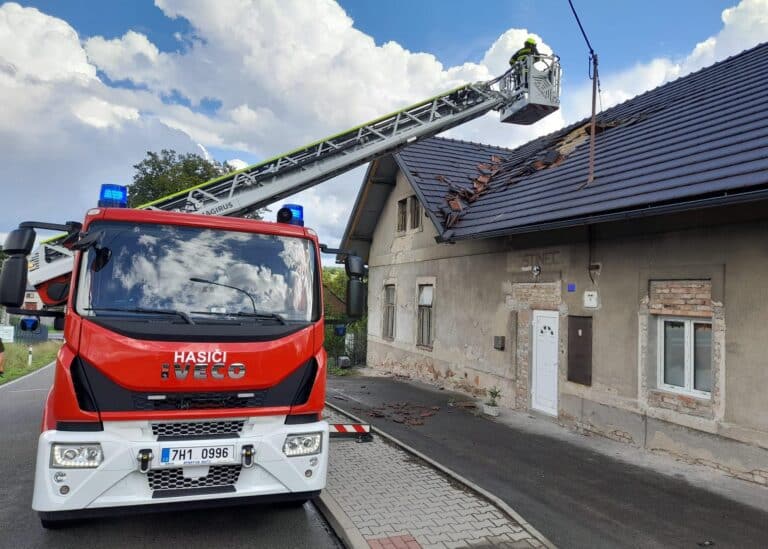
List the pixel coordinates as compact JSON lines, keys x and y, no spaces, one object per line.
{"x":113,"y":196}
{"x":297,"y":214}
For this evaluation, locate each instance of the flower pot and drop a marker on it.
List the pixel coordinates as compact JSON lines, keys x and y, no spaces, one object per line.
{"x":491,"y":410}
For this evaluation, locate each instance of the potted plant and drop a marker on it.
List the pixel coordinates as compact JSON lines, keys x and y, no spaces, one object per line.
{"x":491,"y":406}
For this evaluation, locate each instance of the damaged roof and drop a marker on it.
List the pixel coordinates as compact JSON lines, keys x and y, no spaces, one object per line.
{"x":698,"y":141}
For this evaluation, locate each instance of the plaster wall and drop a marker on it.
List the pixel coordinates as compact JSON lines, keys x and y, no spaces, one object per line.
{"x":489,"y":288}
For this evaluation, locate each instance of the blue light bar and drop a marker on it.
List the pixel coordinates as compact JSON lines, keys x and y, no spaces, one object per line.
{"x":297,"y":214}
{"x":113,"y":196}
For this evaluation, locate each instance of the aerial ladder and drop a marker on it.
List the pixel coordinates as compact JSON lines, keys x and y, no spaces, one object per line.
{"x":524,"y":94}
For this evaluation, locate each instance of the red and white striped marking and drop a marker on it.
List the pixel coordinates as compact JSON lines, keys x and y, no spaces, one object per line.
{"x":350,"y":428}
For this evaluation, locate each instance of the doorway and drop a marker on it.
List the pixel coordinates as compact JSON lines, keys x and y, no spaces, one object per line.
{"x":545,"y":363}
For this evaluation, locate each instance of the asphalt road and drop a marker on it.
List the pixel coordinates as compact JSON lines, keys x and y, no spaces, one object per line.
{"x":574,"y":496}
{"x":248,"y":526}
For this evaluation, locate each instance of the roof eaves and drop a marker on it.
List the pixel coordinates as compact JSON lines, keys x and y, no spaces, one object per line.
{"x":725,"y":199}
{"x":349,"y":229}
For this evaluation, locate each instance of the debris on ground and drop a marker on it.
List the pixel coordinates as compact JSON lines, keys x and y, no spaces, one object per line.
{"x":403,"y":412}
{"x":466,"y":404}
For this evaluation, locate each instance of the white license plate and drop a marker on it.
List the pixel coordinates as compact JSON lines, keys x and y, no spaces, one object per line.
{"x":197,"y":455}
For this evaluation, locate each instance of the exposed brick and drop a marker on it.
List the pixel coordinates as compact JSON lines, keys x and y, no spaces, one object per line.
{"x":681,"y":297}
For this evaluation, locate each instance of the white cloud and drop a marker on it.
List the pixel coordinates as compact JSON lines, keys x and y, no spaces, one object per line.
{"x":40,"y":48}
{"x":63,"y":132}
{"x":237,"y":164}
{"x":131,"y":56}
{"x":744,"y":25}
{"x":101,"y":114}
{"x":285,"y":72}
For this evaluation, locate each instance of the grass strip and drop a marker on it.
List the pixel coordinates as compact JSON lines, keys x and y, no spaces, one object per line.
{"x":15,"y":364}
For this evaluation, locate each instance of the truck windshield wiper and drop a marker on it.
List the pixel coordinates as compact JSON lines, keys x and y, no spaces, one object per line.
{"x":141,"y":310}
{"x":205,"y":281}
{"x":276,"y":316}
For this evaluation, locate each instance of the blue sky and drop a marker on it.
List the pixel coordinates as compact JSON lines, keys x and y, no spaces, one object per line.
{"x":456,"y":31}
{"x":94,"y":84}
{"x":621,"y":31}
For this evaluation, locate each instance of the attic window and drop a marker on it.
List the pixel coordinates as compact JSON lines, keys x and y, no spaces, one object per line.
{"x":402,"y":215}
{"x":415,"y":212}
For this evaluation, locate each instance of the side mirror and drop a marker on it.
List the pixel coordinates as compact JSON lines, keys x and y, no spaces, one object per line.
{"x":13,"y":281}
{"x":355,"y":266}
{"x":19,"y":241}
{"x":355,"y":297}
{"x":13,"y":278}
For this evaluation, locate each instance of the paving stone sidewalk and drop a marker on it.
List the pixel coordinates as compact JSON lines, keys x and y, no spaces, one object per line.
{"x":396,"y":500}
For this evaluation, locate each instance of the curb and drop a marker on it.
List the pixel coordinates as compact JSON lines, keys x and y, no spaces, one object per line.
{"x":341,"y":524}
{"x":514,"y":515}
{"x":25,"y":376}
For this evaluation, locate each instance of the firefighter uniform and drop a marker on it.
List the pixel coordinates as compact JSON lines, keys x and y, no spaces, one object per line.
{"x":529,"y":48}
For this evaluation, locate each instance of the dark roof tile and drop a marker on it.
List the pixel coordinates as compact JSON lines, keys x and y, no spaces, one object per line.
{"x":701,"y":135}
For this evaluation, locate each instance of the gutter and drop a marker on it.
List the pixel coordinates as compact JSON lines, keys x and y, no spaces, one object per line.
{"x":649,"y":211}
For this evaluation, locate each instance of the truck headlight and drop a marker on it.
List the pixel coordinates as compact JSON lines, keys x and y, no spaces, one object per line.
{"x":305,"y":444}
{"x":76,"y":456}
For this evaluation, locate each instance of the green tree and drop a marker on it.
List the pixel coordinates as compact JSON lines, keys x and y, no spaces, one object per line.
{"x":335,"y":279}
{"x":168,"y":172}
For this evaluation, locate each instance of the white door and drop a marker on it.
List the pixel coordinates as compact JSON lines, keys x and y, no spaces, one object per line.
{"x":544,"y":378}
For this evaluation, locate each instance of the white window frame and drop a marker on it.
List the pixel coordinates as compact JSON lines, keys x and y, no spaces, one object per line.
{"x":688,"y":389}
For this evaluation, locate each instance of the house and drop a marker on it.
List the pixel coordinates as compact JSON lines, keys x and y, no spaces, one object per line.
{"x":633,"y":307}
{"x":32,"y":299}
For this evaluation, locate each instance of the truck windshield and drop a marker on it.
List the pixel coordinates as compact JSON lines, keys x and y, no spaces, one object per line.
{"x":197,"y":273}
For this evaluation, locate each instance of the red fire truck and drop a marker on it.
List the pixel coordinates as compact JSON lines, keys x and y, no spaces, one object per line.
{"x":193,"y":366}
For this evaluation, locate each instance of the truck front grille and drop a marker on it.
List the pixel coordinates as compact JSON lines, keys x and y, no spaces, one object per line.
{"x":171,"y":482}
{"x":198,"y":429}
{"x":198,"y":401}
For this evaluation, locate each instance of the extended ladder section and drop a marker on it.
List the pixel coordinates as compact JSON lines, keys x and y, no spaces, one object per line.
{"x":258,"y":185}
{"x":261,"y":184}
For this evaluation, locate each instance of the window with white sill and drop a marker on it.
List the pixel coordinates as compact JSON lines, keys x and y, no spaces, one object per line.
{"x":685,"y":356}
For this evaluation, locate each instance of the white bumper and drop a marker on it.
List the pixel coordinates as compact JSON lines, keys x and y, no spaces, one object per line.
{"x":117,"y":482}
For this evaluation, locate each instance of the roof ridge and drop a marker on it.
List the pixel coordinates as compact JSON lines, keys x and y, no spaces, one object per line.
{"x":665,"y":84}
{"x":467,"y":142}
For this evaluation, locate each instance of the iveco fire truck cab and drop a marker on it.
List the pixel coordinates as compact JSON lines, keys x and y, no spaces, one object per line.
{"x":192,"y":368}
